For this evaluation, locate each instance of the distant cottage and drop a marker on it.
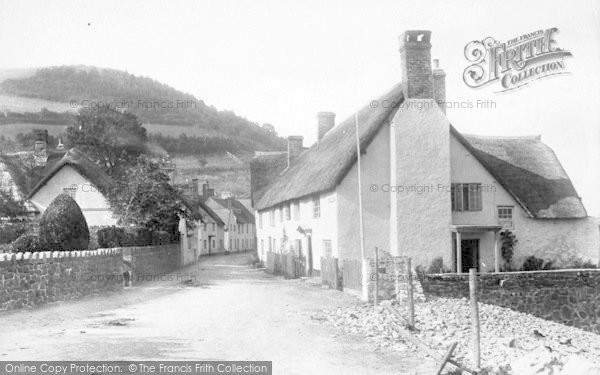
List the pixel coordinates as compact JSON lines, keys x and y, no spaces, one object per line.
{"x":76,"y":175}
{"x":428,"y":191}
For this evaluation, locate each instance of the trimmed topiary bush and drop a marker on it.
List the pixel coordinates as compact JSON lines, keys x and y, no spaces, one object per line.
{"x":28,"y":242}
{"x":63,"y":226}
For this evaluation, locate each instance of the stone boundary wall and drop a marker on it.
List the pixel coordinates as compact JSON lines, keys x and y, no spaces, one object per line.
{"x":146,"y":263}
{"x":570,"y":297}
{"x":32,"y":279}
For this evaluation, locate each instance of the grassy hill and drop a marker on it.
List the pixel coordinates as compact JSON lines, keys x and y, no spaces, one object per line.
{"x":62,"y":90}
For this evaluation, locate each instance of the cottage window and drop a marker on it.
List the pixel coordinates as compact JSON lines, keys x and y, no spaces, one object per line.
{"x":316,"y":206}
{"x":272,"y":218}
{"x":260,"y":219}
{"x":286,"y":212}
{"x":327,"y":251}
{"x":214,"y":243}
{"x":213,"y":227}
{"x":296,"y":209}
{"x":279,"y":215}
{"x":505,"y":216}
{"x":70,"y":191}
{"x":466,"y":197}
{"x":204,"y":244}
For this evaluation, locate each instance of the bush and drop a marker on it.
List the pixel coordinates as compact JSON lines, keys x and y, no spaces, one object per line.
{"x":111,"y":237}
{"x":131,"y":236}
{"x":437,"y":266}
{"x":532,"y":263}
{"x":28,"y":243}
{"x":11,"y":231}
{"x":580,"y":263}
{"x":161,"y":237}
{"x":63,"y":226}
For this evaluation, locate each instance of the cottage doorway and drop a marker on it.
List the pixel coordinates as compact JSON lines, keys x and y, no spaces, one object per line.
{"x":470,"y":254}
{"x":210,"y":240}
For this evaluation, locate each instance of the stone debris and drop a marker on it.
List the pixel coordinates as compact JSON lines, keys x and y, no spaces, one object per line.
{"x":511,"y":342}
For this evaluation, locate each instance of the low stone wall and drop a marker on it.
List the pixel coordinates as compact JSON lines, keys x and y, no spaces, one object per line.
{"x":148,"y":262}
{"x":565,"y":296}
{"x":31,"y":279}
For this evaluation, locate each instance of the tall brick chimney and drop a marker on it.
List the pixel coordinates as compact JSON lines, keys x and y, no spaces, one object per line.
{"x":325,"y":122}
{"x":40,"y":147}
{"x":415,"y":56}
{"x":295,"y":146}
{"x":439,"y":85}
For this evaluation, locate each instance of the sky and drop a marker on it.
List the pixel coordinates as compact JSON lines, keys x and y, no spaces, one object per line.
{"x":282,"y":61}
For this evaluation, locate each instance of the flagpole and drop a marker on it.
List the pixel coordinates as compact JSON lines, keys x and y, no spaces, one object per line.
{"x":365,"y":278}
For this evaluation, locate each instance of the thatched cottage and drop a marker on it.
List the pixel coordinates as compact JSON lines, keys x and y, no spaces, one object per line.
{"x":427,"y":190}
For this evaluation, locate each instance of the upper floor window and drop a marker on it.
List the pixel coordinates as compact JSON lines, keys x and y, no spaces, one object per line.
{"x":466,"y":197}
{"x":316,"y":206}
{"x":296,"y":209}
{"x":213,"y":227}
{"x":505,"y":216}
{"x":272,"y":218}
{"x":260,"y":219}
{"x":286,"y":212}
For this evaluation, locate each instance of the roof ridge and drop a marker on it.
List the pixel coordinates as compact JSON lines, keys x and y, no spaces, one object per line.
{"x":533,"y":137}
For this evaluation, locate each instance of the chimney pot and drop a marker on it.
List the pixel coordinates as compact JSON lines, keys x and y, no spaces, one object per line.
{"x":325,"y":122}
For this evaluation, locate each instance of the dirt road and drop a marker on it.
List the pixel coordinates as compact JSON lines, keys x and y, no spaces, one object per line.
{"x":228,"y":312}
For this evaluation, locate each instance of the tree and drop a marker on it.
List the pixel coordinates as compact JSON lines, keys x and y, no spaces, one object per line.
{"x":9,"y":206}
{"x":147,"y":199}
{"x":112,"y":138}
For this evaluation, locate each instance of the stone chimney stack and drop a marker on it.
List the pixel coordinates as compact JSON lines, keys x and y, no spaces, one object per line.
{"x":207,"y":191}
{"x":415,"y":56}
{"x":325,"y":121}
{"x":295,"y":147}
{"x":439,"y":85}
{"x":40,"y":147}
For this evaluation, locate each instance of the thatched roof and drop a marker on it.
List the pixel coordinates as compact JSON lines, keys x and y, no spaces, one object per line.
{"x":204,"y":208}
{"x":82,"y":164}
{"x":241,"y":213}
{"x":326,"y":163}
{"x":264,"y":169}
{"x":17,"y":171}
{"x":530,"y":171}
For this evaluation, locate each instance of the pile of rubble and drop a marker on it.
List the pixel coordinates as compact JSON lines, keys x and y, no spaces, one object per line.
{"x":511,"y":342}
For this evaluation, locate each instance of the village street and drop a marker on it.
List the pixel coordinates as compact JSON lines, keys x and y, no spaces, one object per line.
{"x":230,"y":312}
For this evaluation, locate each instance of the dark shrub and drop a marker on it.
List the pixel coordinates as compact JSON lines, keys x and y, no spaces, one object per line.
{"x":112,"y":237}
{"x":63,"y":226}
{"x":532,"y":263}
{"x":11,"y":231}
{"x":161,"y":237}
{"x":28,"y":243}
{"x":140,"y":236}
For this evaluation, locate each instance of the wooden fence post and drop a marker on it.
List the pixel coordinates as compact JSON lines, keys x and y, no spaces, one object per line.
{"x":411,"y":302}
{"x":474,"y":317}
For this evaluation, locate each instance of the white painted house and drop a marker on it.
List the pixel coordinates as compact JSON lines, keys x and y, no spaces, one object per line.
{"x":428,"y":191}
{"x":75,"y":174}
{"x":239,"y":232}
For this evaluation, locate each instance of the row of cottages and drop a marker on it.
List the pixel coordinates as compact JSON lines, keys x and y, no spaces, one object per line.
{"x":227,"y":225}
{"x":427,"y":190}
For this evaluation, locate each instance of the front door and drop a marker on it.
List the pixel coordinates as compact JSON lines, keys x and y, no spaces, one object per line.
{"x":470,"y":254}
{"x":210,"y":240}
